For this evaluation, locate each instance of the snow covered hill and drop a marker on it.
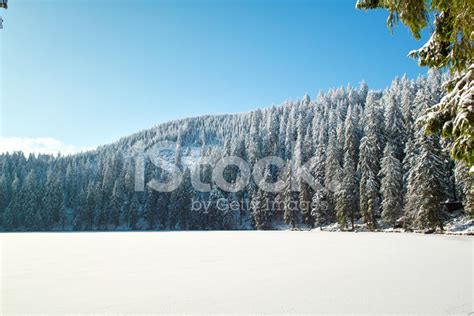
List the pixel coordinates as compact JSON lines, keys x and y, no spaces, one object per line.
{"x":370,"y":160}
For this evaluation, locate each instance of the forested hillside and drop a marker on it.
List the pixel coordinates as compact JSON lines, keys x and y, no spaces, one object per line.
{"x":373,"y":163}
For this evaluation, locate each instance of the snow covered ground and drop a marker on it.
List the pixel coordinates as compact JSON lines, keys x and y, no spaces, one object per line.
{"x":458,"y":225}
{"x":236,"y":272}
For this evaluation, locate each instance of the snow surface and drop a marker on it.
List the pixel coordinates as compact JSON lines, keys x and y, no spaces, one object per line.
{"x":236,"y":272}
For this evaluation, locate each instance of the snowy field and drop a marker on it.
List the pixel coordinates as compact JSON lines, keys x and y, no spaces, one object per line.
{"x":236,"y":272}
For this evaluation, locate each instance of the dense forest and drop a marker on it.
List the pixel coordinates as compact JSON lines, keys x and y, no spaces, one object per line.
{"x":374,"y":164}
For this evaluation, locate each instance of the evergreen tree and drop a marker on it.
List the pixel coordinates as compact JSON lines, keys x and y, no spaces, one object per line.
{"x":289,"y":200}
{"x":32,"y":204}
{"x":262,"y":205}
{"x":450,"y":46}
{"x":320,"y":208}
{"x":394,"y":127}
{"x":425,"y":186}
{"x":259,"y":210}
{"x":150,"y":211}
{"x":133,"y":213}
{"x":346,"y":196}
{"x":90,"y":206}
{"x":185,"y":192}
{"x":116,"y":203}
{"x":370,"y":155}
{"x":5,"y":189}
{"x":214,"y":214}
{"x":406,"y":100}
{"x":333,"y":170}
{"x":466,"y":182}
{"x":53,"y":202}
{"x":391,"y":186}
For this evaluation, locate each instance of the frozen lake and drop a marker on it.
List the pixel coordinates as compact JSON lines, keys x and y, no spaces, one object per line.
{"x":239,"y":272}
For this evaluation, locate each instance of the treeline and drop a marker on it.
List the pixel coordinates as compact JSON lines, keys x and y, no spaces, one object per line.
{"x":371,"y":159}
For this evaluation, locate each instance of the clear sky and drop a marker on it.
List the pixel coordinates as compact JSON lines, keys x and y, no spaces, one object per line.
{"x":85,"y":73}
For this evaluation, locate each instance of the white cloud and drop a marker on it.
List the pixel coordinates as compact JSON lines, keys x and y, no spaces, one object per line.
{"x":43,"y":145}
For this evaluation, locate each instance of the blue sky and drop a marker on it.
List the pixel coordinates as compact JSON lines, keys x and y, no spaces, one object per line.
{"x":89,"y":72}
